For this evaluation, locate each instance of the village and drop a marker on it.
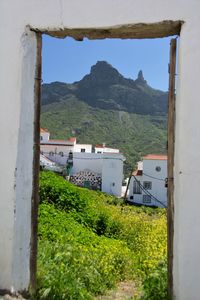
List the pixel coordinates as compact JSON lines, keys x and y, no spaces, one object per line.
{"x":101,"y":168}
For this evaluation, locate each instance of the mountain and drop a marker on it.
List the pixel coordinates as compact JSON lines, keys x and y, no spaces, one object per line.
{"x":106,"y":88}
{"x":106,"y":107}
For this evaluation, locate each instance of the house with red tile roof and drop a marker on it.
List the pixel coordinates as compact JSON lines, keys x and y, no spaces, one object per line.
{"x":148,"y":182}
{"x":54,"y":147}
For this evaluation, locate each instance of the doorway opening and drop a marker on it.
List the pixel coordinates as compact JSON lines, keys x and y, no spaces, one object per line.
{"x":102,"y":220}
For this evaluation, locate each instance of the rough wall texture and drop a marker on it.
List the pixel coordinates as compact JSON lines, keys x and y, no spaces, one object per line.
{"x":17,"y":60}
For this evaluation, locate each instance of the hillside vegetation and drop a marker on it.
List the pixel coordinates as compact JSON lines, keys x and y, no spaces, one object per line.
{"x":89,"y":241}
{"x":106,"y":107}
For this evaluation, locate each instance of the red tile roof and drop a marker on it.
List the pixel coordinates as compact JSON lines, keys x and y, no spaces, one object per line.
{"x":43,"y":130}
{"x":72,"y":139}
{"x":137,"y":173}
{"x":155,"y":157}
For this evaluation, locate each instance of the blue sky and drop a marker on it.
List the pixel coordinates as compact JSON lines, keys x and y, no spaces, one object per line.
{"x":68,"y":60}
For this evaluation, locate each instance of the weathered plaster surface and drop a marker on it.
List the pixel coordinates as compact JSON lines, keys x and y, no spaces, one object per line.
{"x":17,"y":61}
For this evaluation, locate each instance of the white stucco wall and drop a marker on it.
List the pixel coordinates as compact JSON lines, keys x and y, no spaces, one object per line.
{"x":44,"y":136}
{"x":112,"y":173}
{"x":90,"y":161}
{"x":157,"y":180}
{"x":17,"y":61}
{"x":44,"y":161}
{"x":110,"y":166}
{"x":105,"y":150}
{"x":46,"y":149}
{"x":56,"y":148}
{"x":87,"y":147}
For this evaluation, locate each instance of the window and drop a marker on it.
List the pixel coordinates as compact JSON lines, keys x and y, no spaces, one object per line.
{"x":158,"y":168}
{"x":61,"y":153}
{"x":51,"y":153}
{"x":146,"y":199}
{"x":41,"y":138}
{"x":82,"y":150}
{"x":136,"y":187}
{"x":147,"y":185}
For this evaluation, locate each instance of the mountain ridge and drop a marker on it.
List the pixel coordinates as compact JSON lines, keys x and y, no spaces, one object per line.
{"x":104,"y":87}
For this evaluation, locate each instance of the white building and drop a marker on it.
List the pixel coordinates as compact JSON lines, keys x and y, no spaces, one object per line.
{"x":60,"y":148}
{"x":47,"y":164}
{"x":101,"y":169}
{"x":103,"y":149}
{"x":147,"y":184}
{"x":98,"y":170}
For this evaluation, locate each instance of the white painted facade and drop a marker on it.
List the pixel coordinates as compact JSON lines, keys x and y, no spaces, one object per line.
{"x":58,"y":150}
{"x":112,"y":173}
{"x":109,"y":165}
{"x":87,"y":148}
{"x":44,"y":161}
{"x":17,"y":79}
{"x":90,"y":161}
{"x":44,"y":135}
{"x":47,"y":164}
{"x":147,"y":186}
{"x":104,"y":149}
{"x":108,"y":162}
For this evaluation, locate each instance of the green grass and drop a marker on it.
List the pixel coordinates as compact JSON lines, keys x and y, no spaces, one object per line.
{"x":89,"y":241}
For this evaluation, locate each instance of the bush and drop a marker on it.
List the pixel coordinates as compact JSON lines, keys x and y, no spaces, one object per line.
{"x":155,"y":283}
{"x":88,"y":241}
{"x":55,"y":190}
{"x":75,"y":263}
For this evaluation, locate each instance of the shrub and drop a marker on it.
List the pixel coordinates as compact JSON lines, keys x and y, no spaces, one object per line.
{"x":155,"y":283}
{"x":75,"y":263}
{"x":88,"y":241}
{"x":54,"y":189}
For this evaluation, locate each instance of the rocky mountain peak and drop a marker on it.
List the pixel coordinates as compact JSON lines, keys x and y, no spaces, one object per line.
{"x":104,"y":72}
{"x":103,"y":66}
{"x":140,"y":79}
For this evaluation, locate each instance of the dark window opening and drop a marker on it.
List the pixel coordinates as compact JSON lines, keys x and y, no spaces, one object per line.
{"x":136,"y":187}
{"x":146,"y":199}
{"x":147,"y":185}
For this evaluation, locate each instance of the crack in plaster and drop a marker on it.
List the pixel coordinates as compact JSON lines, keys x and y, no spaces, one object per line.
{"x":61,"y":13}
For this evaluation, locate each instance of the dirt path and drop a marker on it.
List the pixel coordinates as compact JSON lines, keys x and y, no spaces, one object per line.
{"x":124,"y":291}
{"x":8,"y":297}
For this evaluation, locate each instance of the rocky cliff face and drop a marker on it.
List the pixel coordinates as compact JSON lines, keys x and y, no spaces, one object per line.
{"x":106,"y":88}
